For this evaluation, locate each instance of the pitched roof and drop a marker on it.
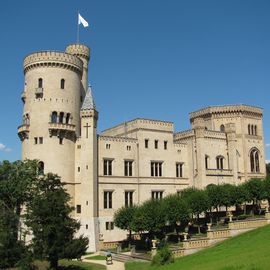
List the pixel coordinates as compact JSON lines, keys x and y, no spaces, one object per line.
{"x":88,"y":103}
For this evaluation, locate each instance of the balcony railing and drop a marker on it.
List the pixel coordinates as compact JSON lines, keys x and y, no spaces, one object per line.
{"x":23,"y":131}
{"x":219,"y":172}
{"x":61,"y":126}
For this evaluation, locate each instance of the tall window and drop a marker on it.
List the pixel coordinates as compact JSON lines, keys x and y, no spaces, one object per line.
{"x":61,"y":117}
{"x":156,"y":195}
{"x":67,"y":118}
{"x":156,"y":144}
{"x":220,"y":161}
{"x":128,"y":167}
{"x":62,"y":84}
{"x":107,"y":199}
{"x":179,"y":169}
{"x":206,"y":158}
{"x":128,"y":198}
{"x":222,"y":128}
{"x":107,"y":166}
{"x":255,"y":130}
{"x":165,"y":145}
{"x":78,"y":208}
{"x":156,"y":168}
{"x":54,"y":117}
{"x":254,"y":161}
{"x":40,"y":83}
{"x":109,"y":225}
{"x":146,"y":141}
{"x":41,"y":168}
{"x":249,"y":129}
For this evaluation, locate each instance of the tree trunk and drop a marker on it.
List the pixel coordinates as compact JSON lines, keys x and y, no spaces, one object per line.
{"x":199,"y":229}
{"x":53,"y":263}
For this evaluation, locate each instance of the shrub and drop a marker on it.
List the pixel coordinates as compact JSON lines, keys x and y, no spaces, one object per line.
{"x":163,"y":256}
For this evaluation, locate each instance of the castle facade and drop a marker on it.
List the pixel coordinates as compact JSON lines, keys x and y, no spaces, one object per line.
{"x":133,"y":161}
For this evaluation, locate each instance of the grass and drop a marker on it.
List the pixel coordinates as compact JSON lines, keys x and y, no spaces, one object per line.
{"x":249,"y":251}
{"x":97,"y":257}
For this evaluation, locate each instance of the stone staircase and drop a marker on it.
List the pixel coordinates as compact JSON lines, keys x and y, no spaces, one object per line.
{"x":121,"y":257}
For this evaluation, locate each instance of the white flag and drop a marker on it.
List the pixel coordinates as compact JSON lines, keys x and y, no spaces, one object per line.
{"x":82,"y":21}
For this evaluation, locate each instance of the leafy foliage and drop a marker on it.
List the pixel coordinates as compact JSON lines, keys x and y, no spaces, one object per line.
{"x":163,"y":256}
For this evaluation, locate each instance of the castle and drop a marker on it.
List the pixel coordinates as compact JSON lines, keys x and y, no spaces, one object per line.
{"x":133,"y":161}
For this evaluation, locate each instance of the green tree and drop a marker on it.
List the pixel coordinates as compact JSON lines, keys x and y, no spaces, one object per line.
{"x":268,"y":169}
{"x":49,"y":218}
{"x":123,"y":218}
{"x":17,"y":180}
{"x":227,"y":193}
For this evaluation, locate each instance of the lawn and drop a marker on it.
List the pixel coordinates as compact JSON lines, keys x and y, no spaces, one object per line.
{"x":249,"y":251}
{"x":97,"y":257}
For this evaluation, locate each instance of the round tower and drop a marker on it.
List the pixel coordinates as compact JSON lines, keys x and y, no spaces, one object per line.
{"x":83,"y":52}
{"x":52,"y":99}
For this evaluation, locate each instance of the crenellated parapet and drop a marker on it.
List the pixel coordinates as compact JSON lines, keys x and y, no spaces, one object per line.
{"x":53,"y":59}
{"x":79,"y":50}
{"x":232,"y":110}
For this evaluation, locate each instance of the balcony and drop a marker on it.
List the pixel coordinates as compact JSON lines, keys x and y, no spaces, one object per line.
{"x":57,"y":128}
{"x":39,"y":92}
{"x":218,"y":172}
{"x":23,"y":131}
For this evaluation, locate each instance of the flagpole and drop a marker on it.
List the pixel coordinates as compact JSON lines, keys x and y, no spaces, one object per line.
{"x":78,"y":29}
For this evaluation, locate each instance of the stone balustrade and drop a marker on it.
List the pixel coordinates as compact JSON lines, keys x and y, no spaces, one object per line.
{"x":218,"y":234}
{"x":247,"y":224}
{"x":196,"y":243}
{"x":178,"y":252}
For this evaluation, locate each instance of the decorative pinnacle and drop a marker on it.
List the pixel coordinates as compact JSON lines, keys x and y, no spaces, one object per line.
{"x":88,"y":103}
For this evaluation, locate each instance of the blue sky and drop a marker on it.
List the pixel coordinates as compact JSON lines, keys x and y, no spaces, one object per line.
{"x":150,"y":58}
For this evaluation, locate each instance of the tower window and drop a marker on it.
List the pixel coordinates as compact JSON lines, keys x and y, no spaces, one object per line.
{"x":36,"y":140}
{"x":222,"y":128}
{"x":54,"y":117}
{"x":40,"y":83}
{"x":146,"y":141}
{"x":61,"y":117}
{"x":109,"y":226}
{"x":107,"y":166}
{"x":128,"y":147}
{"x":40,"y":140}
{"x":156,"y":144}
{"x":156,"y":169}
{"x":206,"y":158}
{"x":108,"y":146}
{"x":220,"y":162}
{"x":78,"y":208}
{"x":254,"y":161}
{"x":179,"y":169}
{"x":107,"y":199}
{"x":165,"y":145}
{"x":67,"y":118}
{"x":128,"y":167}
{"x":62,"y":84}
{"x":60,"y":140}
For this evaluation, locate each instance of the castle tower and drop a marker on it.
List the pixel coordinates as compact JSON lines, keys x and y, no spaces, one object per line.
{"x":52,"y":97}
{"x":86,"y":188}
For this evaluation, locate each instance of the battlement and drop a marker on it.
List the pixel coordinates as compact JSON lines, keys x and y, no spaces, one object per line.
{"x":136,"y":124}
{"x":226,"y":109}
{"x":53,"y":59}
{"x":79,"y":50}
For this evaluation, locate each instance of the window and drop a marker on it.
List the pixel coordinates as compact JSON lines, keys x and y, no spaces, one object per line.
{"x":62,"y":84}
{"x":128,"y":167}
{"x":206,"y":158}
{"x":107,"y":166}
{"x":128,"y":147}
{"x":79,"y":146}
{"x":86,"y":202}
{"x":249,"y":129}
{"x":165,"y":145}
{"x":107,"y":199}
{"x":146,"y":142}
{"x":79,"y":169}
{"x":54,"y":117}
{"x":108,"y":146}
{"x":36,"y":140}
{"x":156,"y":168}
{"x":156,"y":144}
{"x":86,"y":226}
{"x":255,"y":130}
{"x":219,"y":160}
{"x":128,"y":198}
{"x":222,"y":128}
{"x":254,"y":161}
{"x":40,"y":83}
{"x":78,"y":208}
{"x":40,"y":140}
{"x":61,"y":117}
{"x":60,"y":140}
{"x":67,"y":118}
{"x":109,"y":225}
{"x":179,"y":169}
{"x":156,"y":195}
{"x":41,"y":168}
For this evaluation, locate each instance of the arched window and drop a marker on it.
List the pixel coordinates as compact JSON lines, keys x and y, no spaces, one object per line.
{"x":222,"y":128}
{"x":67,"y":118}
{"x":27,"y":119}
{"x":206,"y":162}
{"x":255,"y":130}
{"x":54,"y":117}
{"x":41,"y":168}
{"x":62,"y":84}
{"x":252,"y":130}
{"x":254,"y":160}
{"x":40,"y":83}
{"x":248,"y":129}
{"x":61,"y":117}
{"x":219,"y":160}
